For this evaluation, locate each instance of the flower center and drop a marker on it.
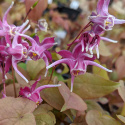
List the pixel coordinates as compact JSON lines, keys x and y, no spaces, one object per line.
{"x":107,"y":23}
{"x":12,"y":31}
{"x":34,"y":54}
{"x":37,"y":103}
{"x":75,"y":73}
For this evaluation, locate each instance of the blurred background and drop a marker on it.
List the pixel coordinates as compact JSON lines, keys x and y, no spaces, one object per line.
{"x":64,"y":19}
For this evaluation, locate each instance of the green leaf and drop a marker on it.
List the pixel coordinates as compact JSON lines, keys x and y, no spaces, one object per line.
{"x":89,"y":86}
{"x":59,"y":76}
{"x":121,"y":90}
{"x":22,"y":65}
{"x":122,"y":118}
{"x":99,"y":71}
{"x":34,"y":67}
{"x":16,"y":111}
{"x":44,"y":116}
{"x":95,"y":117}
{"x":103,"y":50}
{"x":92,"y":105}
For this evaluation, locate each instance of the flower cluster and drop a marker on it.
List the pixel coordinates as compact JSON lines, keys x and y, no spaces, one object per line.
{"x":82,"y":54}
{"x":14,"y":48}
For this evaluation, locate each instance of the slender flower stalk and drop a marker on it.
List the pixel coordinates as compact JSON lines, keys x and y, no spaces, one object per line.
{"x":69,"y":45}
{"x":3,"y":79}
{"x":14,"y":86}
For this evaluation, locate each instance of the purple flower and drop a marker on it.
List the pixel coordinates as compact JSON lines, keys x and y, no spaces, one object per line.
{"x":90,"y":41}
{"x":18,"y":51}
{"x":39,"y":50}
{"x":10,"y":30}
{"x":77,"y":62}
{"x":42,"y":25}
{"x":34,"y":94}
{"x":103,"y":20}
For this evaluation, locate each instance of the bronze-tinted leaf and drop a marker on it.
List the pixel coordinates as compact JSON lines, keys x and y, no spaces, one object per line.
{"x":34,"y":67}
{"x":52,"y":96}
{"x":36,"y":13}
{"x":89,"y":86}
{"x":16,"y":111}
{"x":95,"y":117}
{"x":72,"y":101}
{"x":44,"y":116}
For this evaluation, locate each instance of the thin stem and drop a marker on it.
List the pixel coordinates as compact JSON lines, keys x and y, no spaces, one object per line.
{"x":27,"y":14}
{"x":79,"y":34}
{"x":52,"y":74}
{"x":14,"y":86}
{"x":31,"y":8}
{"x":3,"y":80}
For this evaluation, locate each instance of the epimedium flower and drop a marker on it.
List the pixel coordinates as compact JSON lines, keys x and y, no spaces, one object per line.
{"x":40,"y":50}
{"x":90,"y":41}
{"x":77,"y":62}
{"x":18,"y":51}
{"x":10,"y":30}
{"x":102,"y":20}
{"x":34,"y":94}
{"x":42,"y":25}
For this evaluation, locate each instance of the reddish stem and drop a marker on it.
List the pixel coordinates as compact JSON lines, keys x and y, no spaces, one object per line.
{"x":79,"y":34}
{"x":14,"y":86}
{"x":52,"y":74}
{"x":3,"y":80}
{"x":31,"y":8}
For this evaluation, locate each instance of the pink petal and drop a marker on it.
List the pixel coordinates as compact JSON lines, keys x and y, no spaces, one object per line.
{"x":109,"y":40}
{"x":6,"y":13}
{"x":65,"y":54}
{"x":48,"y":54}
{"x":77,"y":50}
{"x":45,"y":47}
{"x":96,"y":64}
{"x":48,"y":40}
{"x":66,"y":61}
{"x":36,"y":38}
{"x":23,"y":26}
{"x":45,"y":86}
{"x":102,"y":7}
{"x":119,"y":21}
{"x":28,"y":37}
{"x":8,"y":64}
{"x":14,"y":63}
{"x":34,"y":85}
{"x":2,"y":33}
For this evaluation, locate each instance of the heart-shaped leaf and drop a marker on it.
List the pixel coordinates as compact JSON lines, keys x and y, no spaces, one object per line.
{"x":52,"y":96}
{"x":122,"y":118}
{"x":72,"y":101}
{"x":121,"y":90}
{"x":94,"y":117}
{"x":44,"y":116}
{"x":16,"y":111}
{"x":99,"y":71}
{"x":89,"y":86}
{"x":36,"y":13}
{"x":34,"y":67}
